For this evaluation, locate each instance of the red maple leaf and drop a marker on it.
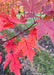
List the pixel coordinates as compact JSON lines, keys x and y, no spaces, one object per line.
{"x":32,"y":6}
{"x":10,"y":45}
{"x":26,"y":45}
{"x":1,"y":25}
{"x":23,"y":19}
{"x":7,"y":21}
{"x":48,"y":10}
{"x":15,"y":20}
{"x":14,"y":65}
{"x":45,"y":27}
{"x":27,"y":50}
{"x":12,"y":13}
{"x":33,"y":32}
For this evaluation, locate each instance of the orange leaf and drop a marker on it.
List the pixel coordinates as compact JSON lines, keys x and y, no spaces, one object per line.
{"x":26,"y":45}
{"x":48,"y":17}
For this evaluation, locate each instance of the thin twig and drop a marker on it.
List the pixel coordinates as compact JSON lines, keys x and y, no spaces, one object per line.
{"x":19,"y":33}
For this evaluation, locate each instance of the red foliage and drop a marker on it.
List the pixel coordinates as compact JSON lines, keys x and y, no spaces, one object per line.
{"x":25,"y":47}
{"x":45,"y":27}
{"x":32,"y":6}
{"x":48,"y":10}
{"x":14,"y":64}
{"x":7,"y":21}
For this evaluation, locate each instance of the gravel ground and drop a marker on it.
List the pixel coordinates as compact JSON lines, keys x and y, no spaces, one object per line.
{"x":46,"y":45}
